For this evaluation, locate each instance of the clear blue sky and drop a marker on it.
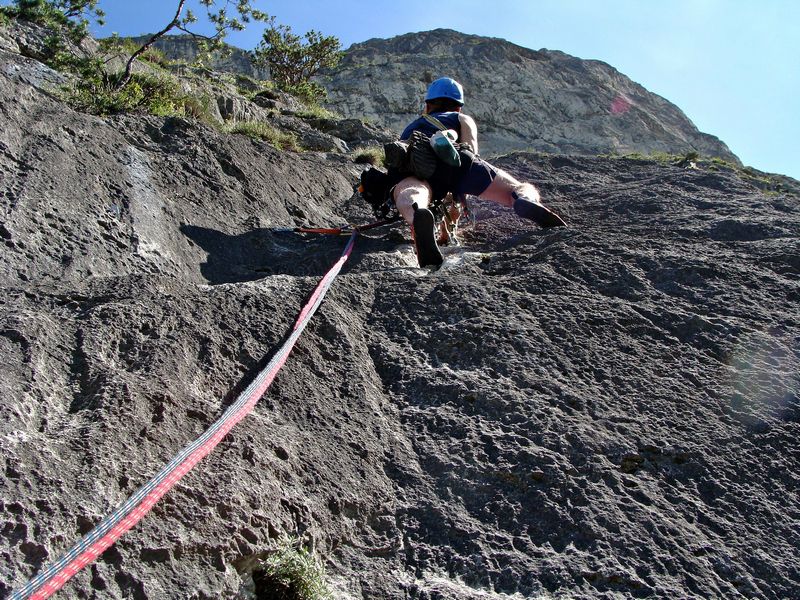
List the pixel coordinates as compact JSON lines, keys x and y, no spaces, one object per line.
{"x":733,"y":66}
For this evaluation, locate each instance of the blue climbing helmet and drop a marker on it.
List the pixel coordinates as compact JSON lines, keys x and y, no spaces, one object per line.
{"x":445,"y":87}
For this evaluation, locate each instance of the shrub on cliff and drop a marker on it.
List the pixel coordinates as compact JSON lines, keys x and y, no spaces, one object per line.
{"x":220,"y":19}
{"x":96,"y":89}
{"x":291,"y":573}
{"x":155,"y":94}
{"x":293,"y":60}
{"x":126,"y":46}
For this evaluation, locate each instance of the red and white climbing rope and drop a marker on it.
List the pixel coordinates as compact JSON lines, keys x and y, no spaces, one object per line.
{"x":114,"y":526}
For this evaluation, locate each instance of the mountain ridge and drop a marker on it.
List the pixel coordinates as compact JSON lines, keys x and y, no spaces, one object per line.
{"x":185,"y":47}
{"x":560,"y":103}
{"x":523,"y":99}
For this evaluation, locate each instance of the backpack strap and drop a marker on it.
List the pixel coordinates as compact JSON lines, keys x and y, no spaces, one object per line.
{"x":438,"y":124}
{"x":435,"y":122}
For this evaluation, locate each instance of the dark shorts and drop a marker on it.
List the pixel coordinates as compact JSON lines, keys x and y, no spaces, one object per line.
{"x":472,"y":177}
{"x":476,"y":177}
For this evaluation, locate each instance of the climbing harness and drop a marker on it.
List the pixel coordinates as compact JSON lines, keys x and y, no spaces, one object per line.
{"x":450,"y":213}
{"x":376,"y":189}
{"x":53,"y":577}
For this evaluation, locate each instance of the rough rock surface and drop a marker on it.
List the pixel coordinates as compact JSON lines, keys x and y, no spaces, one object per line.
{"x":605,"y":411}
{"x":523,"y":99}
{"x":31,"y":40}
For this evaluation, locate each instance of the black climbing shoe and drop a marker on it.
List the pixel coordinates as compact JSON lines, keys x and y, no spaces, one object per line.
{"x":428,"y":253}
{"x":543,"y":216}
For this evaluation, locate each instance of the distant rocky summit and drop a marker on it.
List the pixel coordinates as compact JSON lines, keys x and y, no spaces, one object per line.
{"x":522,"y":99}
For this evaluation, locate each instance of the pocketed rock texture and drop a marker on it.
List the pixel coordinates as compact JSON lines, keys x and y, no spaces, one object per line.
{"x":605,"y":411}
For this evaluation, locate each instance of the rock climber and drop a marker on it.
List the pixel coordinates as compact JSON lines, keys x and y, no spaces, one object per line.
{"x":413,"y":196}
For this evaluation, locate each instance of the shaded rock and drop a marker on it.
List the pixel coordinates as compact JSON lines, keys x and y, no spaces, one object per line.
{"x":321,"y":142}
{"x":308,"y":137}
{"x":355,"y":131}
{"x":279,"y":101}
{"x":7,"y":42}
{"x":30,"y":72}
{"x":607,"y":410}
{"x":236,"y":108}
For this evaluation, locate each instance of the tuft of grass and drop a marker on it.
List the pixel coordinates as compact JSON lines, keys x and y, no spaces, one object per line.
{"x":198,"y":107}
{"x":156,"y":57}
{"x":249,"y":87}
{"x":315,"y":111}
{"x":371,"y":155}
{"x":722,"y":163}
{"x":126,"y":46}
{"x":159,"y":95}
{"x":259,"y":130}
{"x":290,"y":573}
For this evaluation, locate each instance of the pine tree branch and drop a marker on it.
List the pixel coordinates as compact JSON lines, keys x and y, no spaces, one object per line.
{"x":126,"y":77}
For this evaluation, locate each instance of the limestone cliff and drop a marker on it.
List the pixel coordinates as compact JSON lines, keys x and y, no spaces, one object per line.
{"x":522,"y":99}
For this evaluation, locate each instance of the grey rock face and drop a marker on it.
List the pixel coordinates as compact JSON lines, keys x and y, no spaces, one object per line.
{"x":354,"y":131}
{"x":522,"y":99}
{"x":605,"y":411}
{"x":279,"y":101}
{"x":235,"y":108}
{"x":31,"y":40}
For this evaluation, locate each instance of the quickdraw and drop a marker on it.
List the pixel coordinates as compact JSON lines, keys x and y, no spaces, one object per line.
{"x":450,"y":212}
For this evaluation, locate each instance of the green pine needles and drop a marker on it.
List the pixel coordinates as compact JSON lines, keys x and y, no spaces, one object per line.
{"x":293,"y":60}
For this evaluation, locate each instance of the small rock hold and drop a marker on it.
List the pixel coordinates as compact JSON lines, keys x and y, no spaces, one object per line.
{"x":537,"y":475}
{"x":159,"y":555}
{"x":631,"y":463}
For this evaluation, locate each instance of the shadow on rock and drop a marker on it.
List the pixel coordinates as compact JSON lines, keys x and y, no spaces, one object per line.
{"x":260,"y":253}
